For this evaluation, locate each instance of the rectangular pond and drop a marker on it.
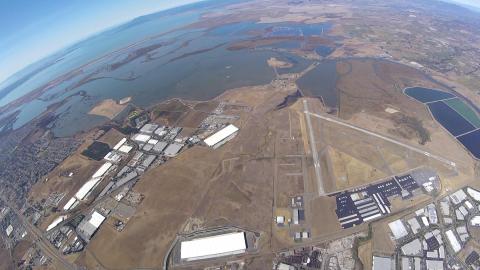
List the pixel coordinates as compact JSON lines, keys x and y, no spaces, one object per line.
{"x":472,"y":142}
{"x":449,"y":118}
{"x":464,"y":110}
{"x":427,"y":95}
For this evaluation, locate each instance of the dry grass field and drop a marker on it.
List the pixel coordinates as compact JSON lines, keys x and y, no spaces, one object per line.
{"x":231,"y":185}
{"x":108,"y":108}
{"x":365,"y":254}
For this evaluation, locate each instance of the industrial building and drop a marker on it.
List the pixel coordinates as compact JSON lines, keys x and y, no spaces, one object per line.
{"x":398,"y":229}
{"x":221,"y":136}
{"x":159,"y":147}
{"x":383,"y":263}
{"x":141,"y":138}
{"x":173,"y":149}
{"x":89,"y":226}
{"x":119,"y":144}
{"x":213,"y":246}
{"x":148,"y":128}
{"x":113,"y":157}
{"x":70,"y":204}
{"x":88,"y":186}
{"x":125,"y":149}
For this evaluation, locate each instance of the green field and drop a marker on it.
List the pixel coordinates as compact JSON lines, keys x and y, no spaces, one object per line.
{"x":464,"y":110}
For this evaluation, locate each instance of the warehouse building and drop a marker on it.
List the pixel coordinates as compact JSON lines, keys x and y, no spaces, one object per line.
{"x":398,"y":229}
{"x":89,"y":226}
{"x":159,"y":147}
{"x":70,"y":204}
{"x":382,"y":263}
{"x":125,"y":149}
{"x":222,"y":136}
{"x":213,"y":246}
{"x":148,"y":128}
{"x":90,"y":184}
{"x":173,"y":149}
{"x":120,"y":144}
{"x":141,"y":138}
{"x":113,"y":157}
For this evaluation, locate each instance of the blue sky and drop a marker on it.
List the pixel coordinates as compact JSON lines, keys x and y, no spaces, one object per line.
{"x":33,"y":29}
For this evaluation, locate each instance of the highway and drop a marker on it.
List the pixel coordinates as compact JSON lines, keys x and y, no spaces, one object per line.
{"x":313,"y":145}
{"x":423,"y":152}
{"x":40,"y":240}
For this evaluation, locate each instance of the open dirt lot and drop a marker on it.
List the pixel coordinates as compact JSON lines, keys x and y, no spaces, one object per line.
{"x":108,"y":108}
{"x":231,"y":185}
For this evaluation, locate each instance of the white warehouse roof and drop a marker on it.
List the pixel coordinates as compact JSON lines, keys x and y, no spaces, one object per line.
{"x":214,"y":246}
{"x":69,"y":204}
{"x":221,"y":135}
{"x":102,"y":170}
{"x":85,"y":189}
{"x":125,"y":149}
{"x":119,"y":144}
{"x":141,"y":138}
{"x":456,"y":246}
{"x":97,"y":219}
{"x":398,"y":229}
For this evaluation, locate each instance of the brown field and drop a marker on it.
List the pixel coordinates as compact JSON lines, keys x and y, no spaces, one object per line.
{"x":108,"y":108}
{"x":6,"y":261}
{"x":365,"y":254}
{"x":227,"y":186}
{"x":233,"y":185}
{"x":324,"y":220}
{"x":112,"y":137}
{"x":350,"y":172}
{"x":182,"y":113}
{"x":381,"y":241}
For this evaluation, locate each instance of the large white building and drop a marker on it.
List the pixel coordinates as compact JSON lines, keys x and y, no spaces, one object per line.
{"x":213,"y":246}
{"x":221,"y":136}
{"x":90,"y":225}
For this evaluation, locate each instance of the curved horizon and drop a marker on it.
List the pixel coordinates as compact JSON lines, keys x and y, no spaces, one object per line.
{"x":63,"y":27}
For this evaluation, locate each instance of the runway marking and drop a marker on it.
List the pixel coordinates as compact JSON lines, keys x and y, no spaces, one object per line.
{"x":316,"y":163}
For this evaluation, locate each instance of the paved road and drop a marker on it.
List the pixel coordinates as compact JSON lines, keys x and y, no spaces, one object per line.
{"x":42,"y":242}
{"x":439,"y":158}
{"x":313,"y":145}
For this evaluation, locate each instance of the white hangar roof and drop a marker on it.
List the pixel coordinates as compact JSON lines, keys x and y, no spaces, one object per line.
{"x":213,"y":246}
{"x":221,"y":135}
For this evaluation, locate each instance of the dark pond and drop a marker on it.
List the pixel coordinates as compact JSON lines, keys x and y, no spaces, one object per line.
{"x":324,"y":50}
{"x":427,"y":95}
{"x":321,"y":82}
{"x":472,"y":142}
{"x":449,"y":118}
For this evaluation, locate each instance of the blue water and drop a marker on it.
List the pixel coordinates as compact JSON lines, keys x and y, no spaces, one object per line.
{"x":449,"y":118}
{"x":472,"y":142}
{"x":427,"y":95}
{"x":324,"y":50}
{"x":191,"y":63}
{"x":321,"y":82}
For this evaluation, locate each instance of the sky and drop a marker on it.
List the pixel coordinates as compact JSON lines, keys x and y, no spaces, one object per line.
{"x":33,"y":29}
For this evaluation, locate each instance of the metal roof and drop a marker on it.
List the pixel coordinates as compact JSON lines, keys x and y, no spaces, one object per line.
{"x":119,"y":144}
{"x":102,"y":170}
{"x":97,"y":219}
{"x":213,"y":246}
{"x":221,"y":135}
{"x":173,"y":149}
{"x":398,"y":229}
